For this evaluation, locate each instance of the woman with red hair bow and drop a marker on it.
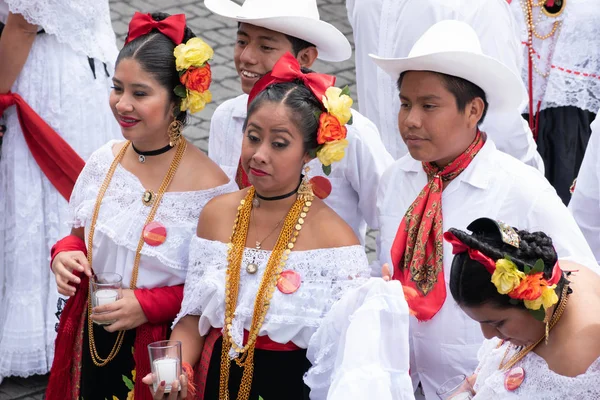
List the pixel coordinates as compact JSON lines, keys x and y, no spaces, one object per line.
{"x":255,"y":294}
{"x":134,"y":209}
{"x":539,"y":316}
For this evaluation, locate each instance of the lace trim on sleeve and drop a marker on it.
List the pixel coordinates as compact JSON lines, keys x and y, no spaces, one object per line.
{"x":84,"y":25}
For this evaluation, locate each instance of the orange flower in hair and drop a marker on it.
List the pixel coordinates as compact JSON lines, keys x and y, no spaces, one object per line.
{"x":530,"y":287}
{"x":330,"y":129}
{"x":197,"y":79}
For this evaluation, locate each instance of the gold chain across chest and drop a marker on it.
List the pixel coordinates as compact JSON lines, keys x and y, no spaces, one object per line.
{"x":181,"y":147}
{"x":521,"y":354}
{"x":285,"y":243}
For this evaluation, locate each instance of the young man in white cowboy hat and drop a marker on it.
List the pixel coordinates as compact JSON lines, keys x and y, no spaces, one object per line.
{"x":267,"y":30}
{"x":585,"y":202}
{"x":453,"y":175}
{"x":389,"y":28}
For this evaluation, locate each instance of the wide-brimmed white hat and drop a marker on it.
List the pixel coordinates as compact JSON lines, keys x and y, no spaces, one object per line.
{"x":453,"y":48}
{"x":297,"y":18}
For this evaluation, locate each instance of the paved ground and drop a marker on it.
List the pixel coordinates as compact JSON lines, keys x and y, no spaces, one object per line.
{"x":221,"y":35}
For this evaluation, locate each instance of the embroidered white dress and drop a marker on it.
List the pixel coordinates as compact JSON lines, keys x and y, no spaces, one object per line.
{"x":354,"y":179}
{"x":57,"y":82}
{"x":326,"y":275}
{"x":122,"y":217}
{"x":570,"y":56}
{"x":540,"y":382}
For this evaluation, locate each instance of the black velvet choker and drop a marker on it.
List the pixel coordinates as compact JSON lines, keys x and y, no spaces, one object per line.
{"x":143,"y":154}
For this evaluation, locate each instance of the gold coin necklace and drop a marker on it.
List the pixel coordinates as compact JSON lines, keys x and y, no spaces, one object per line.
{"x":272,"y":279}
{"x":181,"y":147}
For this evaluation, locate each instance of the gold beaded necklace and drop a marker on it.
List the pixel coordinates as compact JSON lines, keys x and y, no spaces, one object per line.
{"x":527,"y":7}
{"x":521,"y":354}
{"x":181,"y":147}
{"x":285,"y":243}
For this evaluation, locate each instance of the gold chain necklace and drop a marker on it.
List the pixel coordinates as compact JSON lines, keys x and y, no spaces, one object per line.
{"x":285,"y":243}
{"x":260,"y":242}
{"x":97,"y":360}
{"x":521,"y":354}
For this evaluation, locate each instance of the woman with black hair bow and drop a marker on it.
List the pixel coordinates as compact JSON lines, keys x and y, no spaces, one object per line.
{"x":539,"y":316}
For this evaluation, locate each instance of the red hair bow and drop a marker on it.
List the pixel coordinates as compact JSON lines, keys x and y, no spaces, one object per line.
{"x":475,"y":255}
{"x":287,"y":69}
{"x":172,"y":27}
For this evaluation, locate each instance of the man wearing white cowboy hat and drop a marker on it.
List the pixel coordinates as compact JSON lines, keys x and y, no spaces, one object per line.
{"x":389,"y":28}
{"x":453,"y":175}
{"x":267,"y":30}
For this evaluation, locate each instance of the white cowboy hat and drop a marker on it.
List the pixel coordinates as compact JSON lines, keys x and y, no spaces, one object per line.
{"x":453,"y":48}
{"x":297,"y":18}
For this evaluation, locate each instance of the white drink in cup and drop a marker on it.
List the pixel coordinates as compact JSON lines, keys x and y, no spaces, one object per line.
{"x":165,"y":360}
{"x":105,"y":288}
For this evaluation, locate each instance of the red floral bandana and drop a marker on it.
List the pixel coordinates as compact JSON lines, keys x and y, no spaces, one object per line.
{"x":417,"y":252}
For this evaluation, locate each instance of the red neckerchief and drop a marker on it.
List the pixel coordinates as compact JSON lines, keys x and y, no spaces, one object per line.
{"x":417,"y":252}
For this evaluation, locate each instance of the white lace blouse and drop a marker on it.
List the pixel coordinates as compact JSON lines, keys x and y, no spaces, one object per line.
{"x":122,"y":217}
{"x":326,"y":274}
{"x":540,"y":382}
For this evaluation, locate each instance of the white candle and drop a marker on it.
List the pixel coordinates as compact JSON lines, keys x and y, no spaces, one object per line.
{"x":166,"y":370}
{"x":461,"y":396}
{"x":106,"y":296}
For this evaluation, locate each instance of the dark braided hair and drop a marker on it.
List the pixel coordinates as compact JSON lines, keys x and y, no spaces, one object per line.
{"x":470,"y":282}
{"x":154,"y":53}
{"x":301,"y":103}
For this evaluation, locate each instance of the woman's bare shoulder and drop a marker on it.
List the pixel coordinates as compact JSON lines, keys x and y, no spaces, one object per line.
{"x":201,"y":173}
{"x":327,"y":228}
{"x":217,"y":216}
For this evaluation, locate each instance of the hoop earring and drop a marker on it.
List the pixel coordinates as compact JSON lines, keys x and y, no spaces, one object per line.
{"x":174,"y":132}
{"x":305,"y":191}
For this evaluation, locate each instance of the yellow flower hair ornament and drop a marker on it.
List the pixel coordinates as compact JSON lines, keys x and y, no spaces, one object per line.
{"x":191,"y":60}
{"x":332,"y":132}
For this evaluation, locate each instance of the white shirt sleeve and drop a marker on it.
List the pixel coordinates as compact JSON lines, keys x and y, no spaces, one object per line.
{"x":585,"y":203}
{"x":367,"y":161}
{"x":549,"y":215}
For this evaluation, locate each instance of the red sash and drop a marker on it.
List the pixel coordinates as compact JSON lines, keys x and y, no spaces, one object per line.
{"x":417,"y":252}
{"x":57,"y":160}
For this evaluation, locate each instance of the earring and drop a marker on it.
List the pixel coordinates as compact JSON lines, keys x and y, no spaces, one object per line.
{"x":305,"y":192}
{"x":547,"y":322}
{"x":174,"y":132}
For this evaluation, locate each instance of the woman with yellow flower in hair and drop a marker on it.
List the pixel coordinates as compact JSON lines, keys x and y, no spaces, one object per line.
{"x":270,"y":260}
{"x":134,"y":210}
{"x":539,"y":316}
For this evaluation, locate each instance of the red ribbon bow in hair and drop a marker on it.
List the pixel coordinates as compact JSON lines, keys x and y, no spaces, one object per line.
{"x":287,"y":69}
{"x":172,"y":27}
{"x":490,"y":265}
{"x":475,"y":255}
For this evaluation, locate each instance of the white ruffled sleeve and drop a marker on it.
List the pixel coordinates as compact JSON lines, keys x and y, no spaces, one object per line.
{"x":361,"y":349}
{"x":198,"y":290}
{"x":84,"y":25}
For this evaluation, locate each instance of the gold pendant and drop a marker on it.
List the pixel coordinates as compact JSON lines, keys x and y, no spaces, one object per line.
{"x":148,"y":198}
{"x":251,"y":268}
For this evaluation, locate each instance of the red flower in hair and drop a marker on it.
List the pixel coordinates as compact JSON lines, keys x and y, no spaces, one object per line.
{"x":530,"y":287}
{"x":197,"y":79}
{"x":330,"y":129}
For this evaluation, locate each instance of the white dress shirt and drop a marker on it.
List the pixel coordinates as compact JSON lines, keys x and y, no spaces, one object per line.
{"x":354,"y":179}
{"x":389,"y":28}
{"x":585,"y":203}
{"x":494,"y":185}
